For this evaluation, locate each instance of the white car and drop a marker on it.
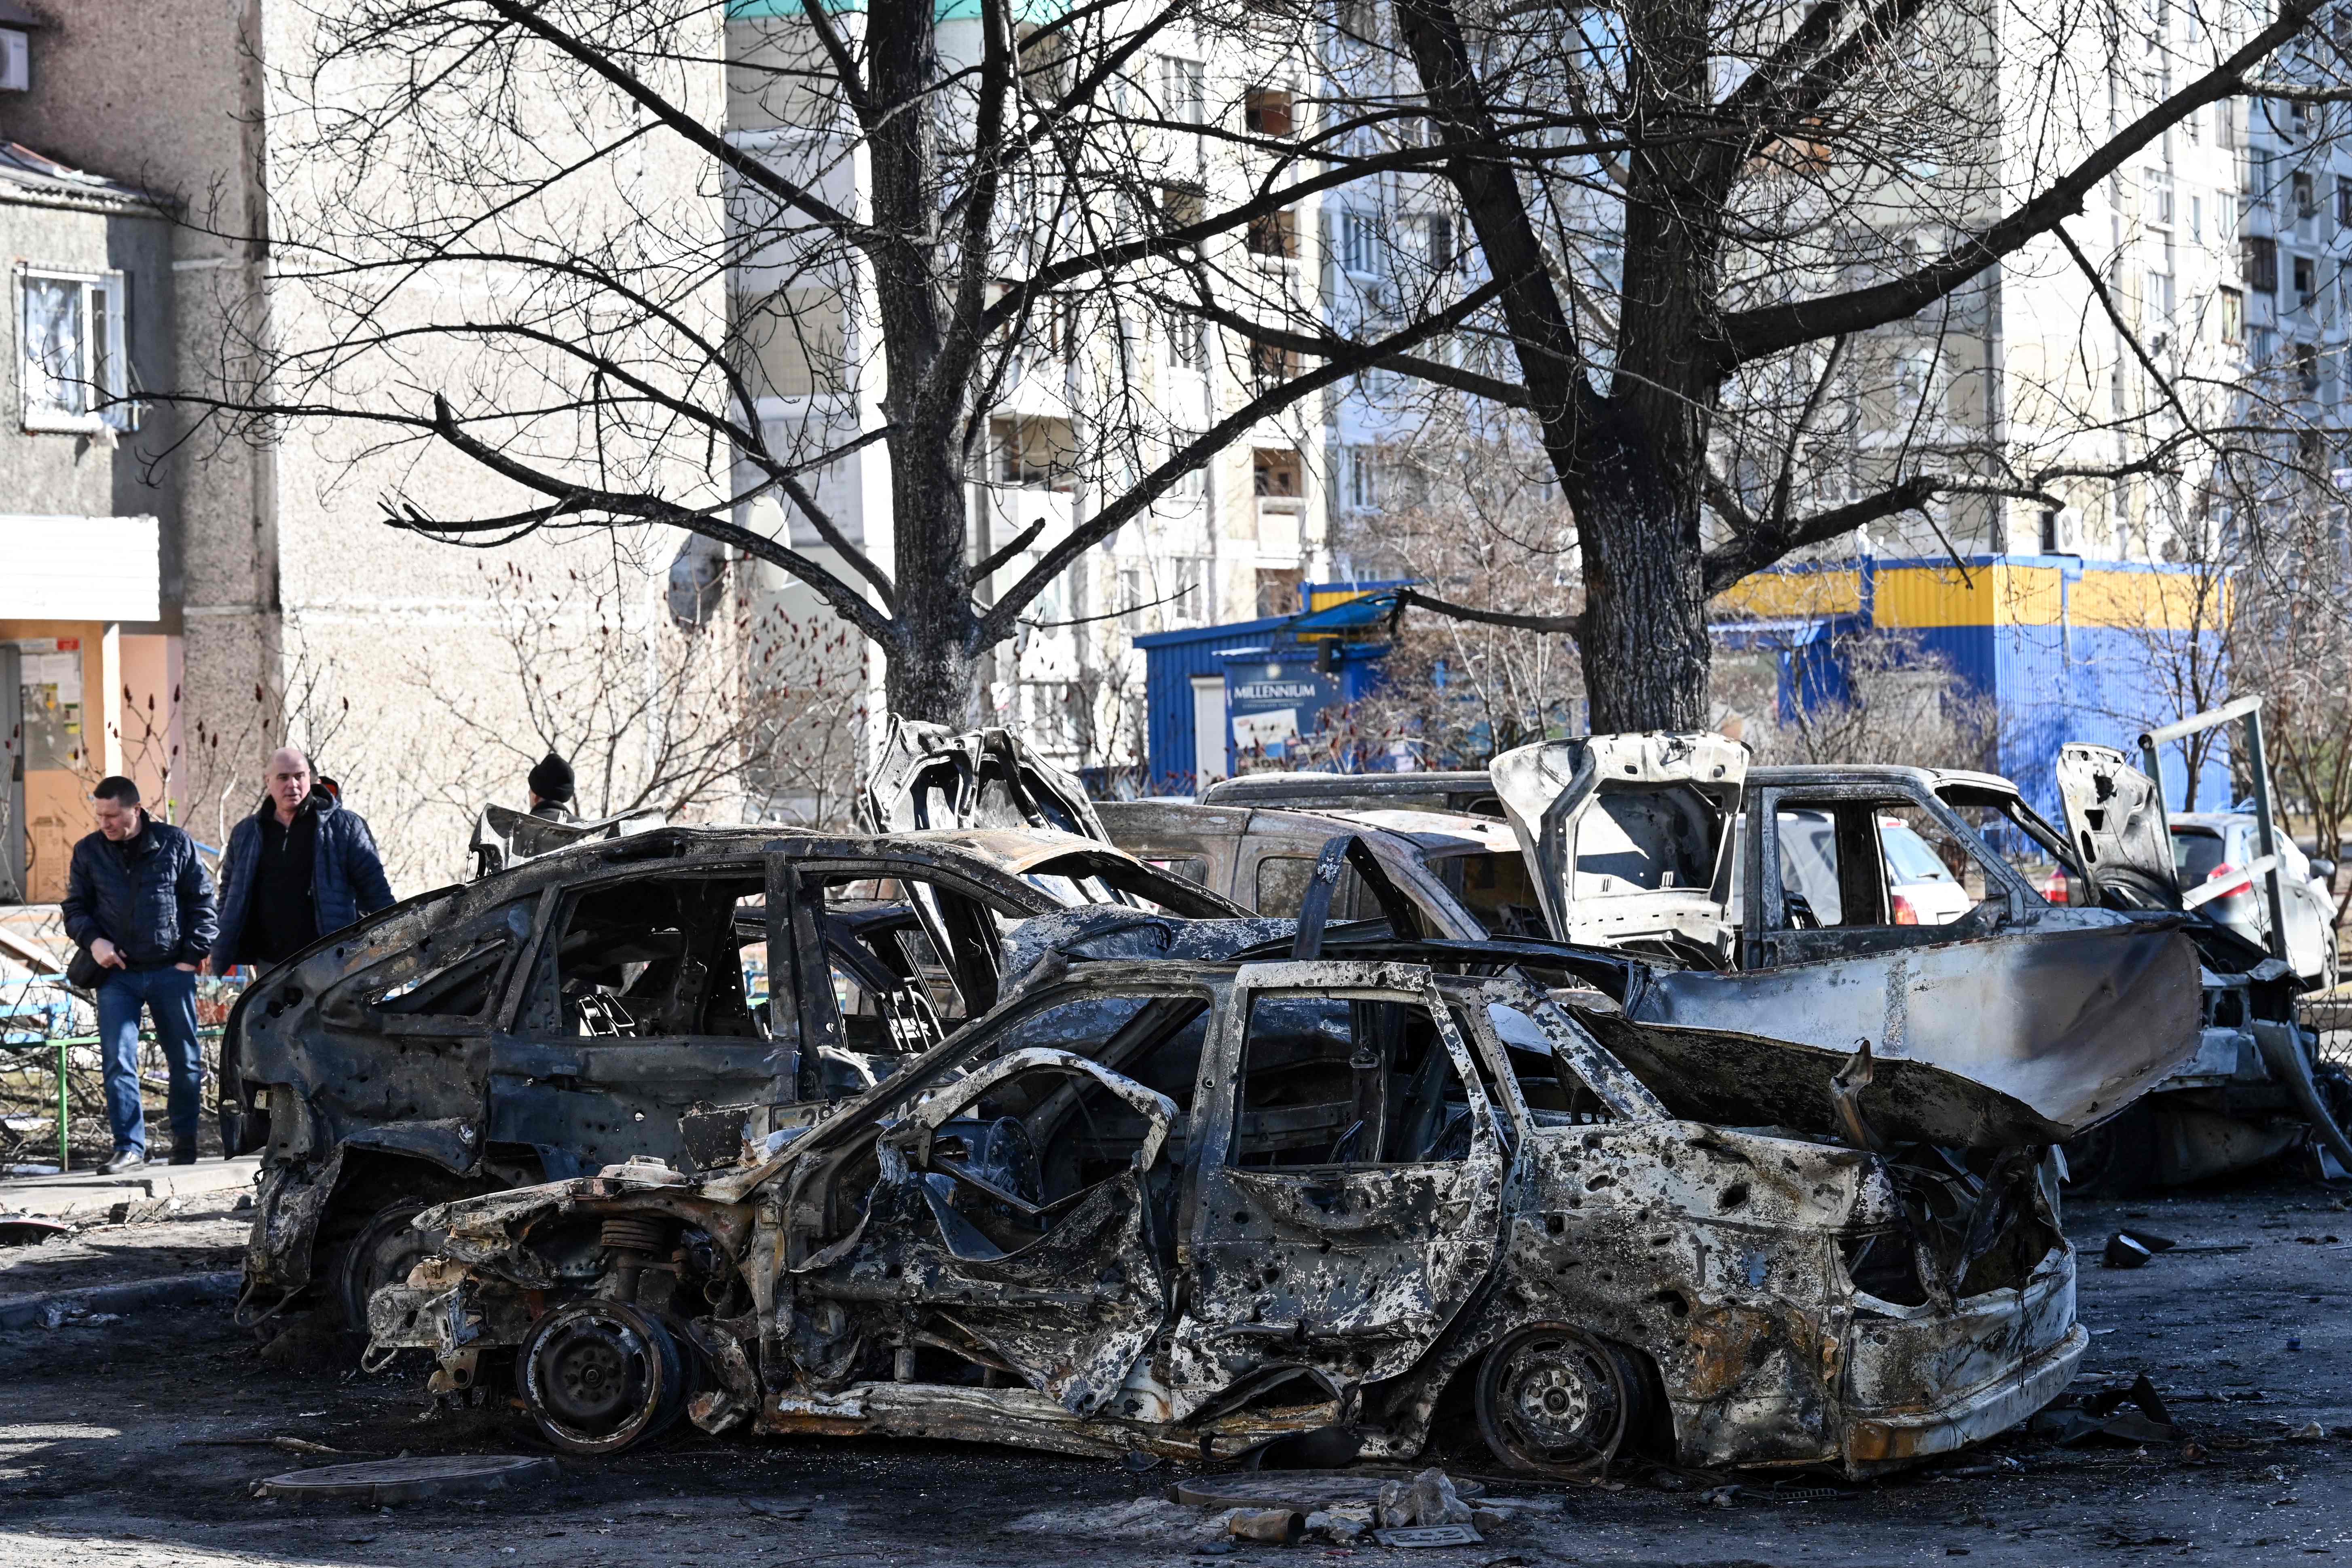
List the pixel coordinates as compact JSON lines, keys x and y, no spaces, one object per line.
{"x":1920,"y":888}
{"x":2214,"y":853}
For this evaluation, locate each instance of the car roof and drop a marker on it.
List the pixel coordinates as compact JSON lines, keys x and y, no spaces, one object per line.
{"x":1442,"y":831}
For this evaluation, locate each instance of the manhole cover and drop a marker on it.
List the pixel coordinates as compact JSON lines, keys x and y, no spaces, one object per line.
{"x":406,"y":1480}
{"x":1301,"y":1491}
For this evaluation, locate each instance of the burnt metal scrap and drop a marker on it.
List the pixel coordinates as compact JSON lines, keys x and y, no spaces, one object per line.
{"x":1173,"y":1206}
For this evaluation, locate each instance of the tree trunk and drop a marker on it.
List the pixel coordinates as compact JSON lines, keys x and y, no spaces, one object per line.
{"x":1645,"y":642}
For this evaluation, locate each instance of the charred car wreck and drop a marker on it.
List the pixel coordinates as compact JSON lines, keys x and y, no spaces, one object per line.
{"x":1368,"y":1183}
{"x":588,"y":1005}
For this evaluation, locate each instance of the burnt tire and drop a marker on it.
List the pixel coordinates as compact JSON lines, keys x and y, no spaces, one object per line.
{"x":2116,"y":1159}
{"x":599,"y":1377}
{"x":1554,"y":1400}
{"x":382,"y":1252}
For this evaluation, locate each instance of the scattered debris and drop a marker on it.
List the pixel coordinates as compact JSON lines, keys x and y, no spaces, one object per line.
{"x":1429,"y":1498}
{"x":286,"y":1444}
{"x":2071,"y":1419}
{"x":378,"y":1481}
{"x":144,"y":1210}
{"x":2133,"y":1249}
{"x":1274,"y":1526}
{"x":1719,"y":1497}
{"x":2311,"y":1433}
{"x":30,"y":1229}
{"x":1429,"y":1535}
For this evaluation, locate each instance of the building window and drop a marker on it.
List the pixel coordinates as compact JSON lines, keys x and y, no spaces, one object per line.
{"x":2307,"y":281}
{"x":1181,"y":335}
{"x":2306,"y":199}
{"x":2258,"y":260}
{"x":2233,"y":316}
{"x":1437,"y":239}
{"x":1035,"y":453}
{"x":1361,"y":484}
{"x":2307,"y":367}
{"x":1268,"y":111}
{"x":1180,"y":206}
{"x":1270,"y":366}
{"x":2225,"y":123}
{"x":1359,"y":244}
{"x":2343,"y":202}
{"x":1193,"y":482}
{"x":1274,"y":472}
{"x":70,"y":360}
{"x":1275,"y":235}
{"x":1180,"y":87}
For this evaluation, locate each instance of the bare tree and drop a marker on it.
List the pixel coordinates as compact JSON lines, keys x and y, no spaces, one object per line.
{"x":1723,"y":232}
{"x":1896,"y":702}
{"x":1467,"y":510}
{"x":948,"y":213}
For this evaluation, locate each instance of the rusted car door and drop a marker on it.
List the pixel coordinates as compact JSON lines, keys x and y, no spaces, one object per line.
{"x":634,"y":1008}
{"x":1348,"y":1186}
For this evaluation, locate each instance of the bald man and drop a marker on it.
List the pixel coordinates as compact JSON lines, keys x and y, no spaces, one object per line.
{"x":302,"y":866}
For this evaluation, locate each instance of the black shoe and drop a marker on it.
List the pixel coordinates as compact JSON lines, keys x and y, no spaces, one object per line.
{"x":183,"y":1154}
{"x":123,"y":1160}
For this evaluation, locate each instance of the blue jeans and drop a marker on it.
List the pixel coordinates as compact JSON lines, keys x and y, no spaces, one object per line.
{"x":168,"y":994}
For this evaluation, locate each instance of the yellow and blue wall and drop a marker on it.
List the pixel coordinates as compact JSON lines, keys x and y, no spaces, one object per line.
{"x":2066,"y":649}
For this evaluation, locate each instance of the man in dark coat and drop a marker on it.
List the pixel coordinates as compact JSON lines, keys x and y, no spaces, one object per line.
{"x":138,"y":898}
{"x":551,"y":789}
{"x":301,"y":867}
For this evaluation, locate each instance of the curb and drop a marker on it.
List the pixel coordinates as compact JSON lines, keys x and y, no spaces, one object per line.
{"x":48,"y":1311}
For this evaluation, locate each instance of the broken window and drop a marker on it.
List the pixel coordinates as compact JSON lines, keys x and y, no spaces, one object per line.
{"x":883,"y":943}
{"x":1325,"y":1081}
{"x":1553,"y":1092}
{"x":649,"y":956}
{"x":1496,"y":889}
{"x":1283,"y":880}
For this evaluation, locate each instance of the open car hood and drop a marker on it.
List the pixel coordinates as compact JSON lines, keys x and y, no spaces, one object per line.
{"x":1628,"y":835}
{"x":2118,"y":829}
{"x":504,"y":837}
{"x":931,"y":777}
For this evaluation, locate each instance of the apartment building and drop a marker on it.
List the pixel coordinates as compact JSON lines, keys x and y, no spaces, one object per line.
{"x":259,"y":597}
{"x":1232,"y":542}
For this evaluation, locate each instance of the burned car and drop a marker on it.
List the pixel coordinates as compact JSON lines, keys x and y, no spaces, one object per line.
{"x":583,"y":1007}
{"x":1186,"y":1206}
{"x":1464,"y":874}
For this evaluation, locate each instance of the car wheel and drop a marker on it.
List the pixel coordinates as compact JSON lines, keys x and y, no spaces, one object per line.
{"x":1556,"y":1400}
{"x":386,"y":1248}
{"x":600,"y":1377}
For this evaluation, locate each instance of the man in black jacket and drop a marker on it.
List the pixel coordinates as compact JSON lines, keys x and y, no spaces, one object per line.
{"x":138,"y":898}
{"x":301,"y":867}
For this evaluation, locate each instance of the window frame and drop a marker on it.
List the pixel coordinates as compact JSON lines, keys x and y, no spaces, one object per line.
{"x":121,"y":414}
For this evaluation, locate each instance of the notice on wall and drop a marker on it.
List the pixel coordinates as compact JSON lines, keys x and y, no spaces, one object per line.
{"x":49,"y":672}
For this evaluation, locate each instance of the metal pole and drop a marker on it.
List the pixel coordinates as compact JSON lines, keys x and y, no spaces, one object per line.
{"x":63,"y":1148}
{"x":2266,"y":840}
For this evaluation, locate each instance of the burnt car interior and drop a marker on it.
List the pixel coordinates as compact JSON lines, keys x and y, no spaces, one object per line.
{"x":1327,"y":1081}
{"x":660,"y":957}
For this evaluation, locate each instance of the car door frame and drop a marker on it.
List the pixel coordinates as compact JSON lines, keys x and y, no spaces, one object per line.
{"x":1217,"y":1194}
{"x":1768,"y":942}
{"x":519,"y":1047}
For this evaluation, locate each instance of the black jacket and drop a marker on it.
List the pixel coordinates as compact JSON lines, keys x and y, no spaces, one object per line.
{"x":147,"y":895}
{"x":347,"y":878}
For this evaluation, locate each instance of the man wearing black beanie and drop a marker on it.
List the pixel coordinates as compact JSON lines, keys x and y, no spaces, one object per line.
{"x":551,"y":789}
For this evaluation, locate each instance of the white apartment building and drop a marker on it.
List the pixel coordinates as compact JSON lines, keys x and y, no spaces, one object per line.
{"x":1232,"y":542}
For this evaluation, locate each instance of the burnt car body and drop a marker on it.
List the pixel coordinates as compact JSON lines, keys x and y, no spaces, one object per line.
{"x":2072,"y":1011}
{"x":586,"y":1006}
{"x":1464,"y":874}
{"x":1468,"y":791}
{"x":1187,"y":1206}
